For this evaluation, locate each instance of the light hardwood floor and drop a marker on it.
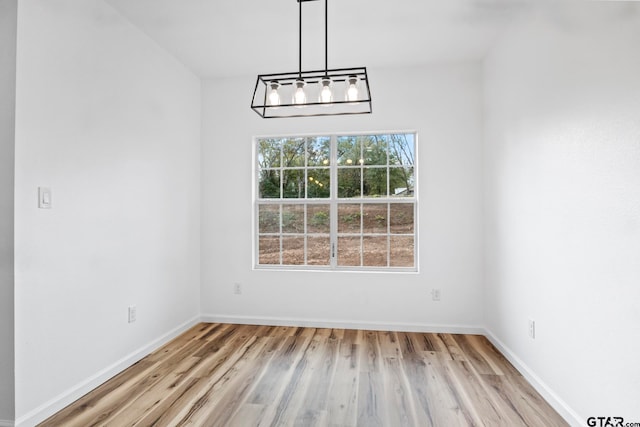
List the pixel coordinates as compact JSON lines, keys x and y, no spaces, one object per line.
{"x":241,"y":375}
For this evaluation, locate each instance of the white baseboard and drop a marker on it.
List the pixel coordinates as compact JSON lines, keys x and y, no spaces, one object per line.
{"x":64,"y":399}
{"x":6,"y":423}
{"x":541,"y":387}
{"x":343,"y":324}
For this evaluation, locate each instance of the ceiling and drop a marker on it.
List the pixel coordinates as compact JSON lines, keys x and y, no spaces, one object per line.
{"x":217,"y":38}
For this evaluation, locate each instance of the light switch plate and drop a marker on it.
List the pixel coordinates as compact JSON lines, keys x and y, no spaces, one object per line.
{"x":44,"y":197}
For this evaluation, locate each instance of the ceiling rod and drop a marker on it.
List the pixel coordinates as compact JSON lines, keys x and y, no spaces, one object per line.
{"x":326,"y":36}
{"x":300,"y":39}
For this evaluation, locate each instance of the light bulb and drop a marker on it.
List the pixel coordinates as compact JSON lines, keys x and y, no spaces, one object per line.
{"x":274,"y":96}
{"x":352,"y":91}
{"x":299,"y":97}
{"x":325,"y":93}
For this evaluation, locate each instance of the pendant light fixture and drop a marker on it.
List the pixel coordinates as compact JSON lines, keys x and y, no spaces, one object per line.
{"x":327,"y":92}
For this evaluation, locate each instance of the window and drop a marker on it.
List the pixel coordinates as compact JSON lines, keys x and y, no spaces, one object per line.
{"x":341,"y":202}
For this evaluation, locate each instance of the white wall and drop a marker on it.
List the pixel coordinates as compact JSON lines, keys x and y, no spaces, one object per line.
{"x":111,"y":123}
{"x":562,"y":172}
{"x":8,"y":21}
{"x":443,"y":104}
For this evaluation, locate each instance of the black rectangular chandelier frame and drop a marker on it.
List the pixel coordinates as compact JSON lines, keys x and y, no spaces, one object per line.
{"x":339,"y":77}
{"x":349,"y":91}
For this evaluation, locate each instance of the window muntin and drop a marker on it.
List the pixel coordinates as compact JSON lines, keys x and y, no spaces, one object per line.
{"x":336,"y":202}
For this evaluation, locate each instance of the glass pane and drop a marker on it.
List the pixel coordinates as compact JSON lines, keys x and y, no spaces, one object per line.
{"x":349,"y":152}
{"x":374,"y":218}
{"x":269,"y":153}
{"x":318,"y":250}
{"x":374,"y":150}
{"x":349,"y":216}
{"x":269,"y":250}
{"x":269,"y":218}
{"x":318,"y":219}
{"x":349,"y":182}
{"x":318,"y":183}
{"x":402,"y":181}
{"x":349,"y":251}
{"x":293,"y":153}
{"x":269,"y":184}
{"x":293,"y":184}
{"x":402,"y":149}
{"x":293,"y":218}
{"x":402,"y":218}
{"x":375,"y":182}
{"x":319,"y":151}
{"x":401,"y":251}
{"x":292,"y":250}
{"x":374,"y":251}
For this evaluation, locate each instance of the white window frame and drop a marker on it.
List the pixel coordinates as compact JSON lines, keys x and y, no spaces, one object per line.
{"x":333,"y":201}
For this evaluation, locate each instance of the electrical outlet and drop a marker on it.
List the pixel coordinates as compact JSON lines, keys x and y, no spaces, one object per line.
{"x":532,"y":329}
{"x":132,"y":313}
{"x":435,"y":294}
{"x":237,"y":288}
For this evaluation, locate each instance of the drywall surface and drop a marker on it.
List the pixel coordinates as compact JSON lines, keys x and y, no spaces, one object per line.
{"x":562,"y":174}
{"x":442,"y":103}
{"x":8,"y":22}
{"x":111,"y":124}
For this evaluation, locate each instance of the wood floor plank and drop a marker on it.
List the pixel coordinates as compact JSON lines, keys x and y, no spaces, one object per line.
{"x":389,"y":347}
{"x":219,"y":408}
{"x":300,"y":398}
{"x":474,"y":355}
{"x":256,"y":375}
{"x":271,"y":386}
{"x":248,"y":414}
{"x":398,"y":396}
{"x":320,"y":376}
{"x":210,"y":371}
{"x":451,"y":347}
{"x":372,"y":410}
{"x":485,"y":350}
{"x":343,"y":392}
{"x":485,"y":408}
{"x":446,"y":407}
{"x":533,"y":408}
{"x":436,"y":404}
{"x":226,"y":377}
{"x":140,"y":405}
